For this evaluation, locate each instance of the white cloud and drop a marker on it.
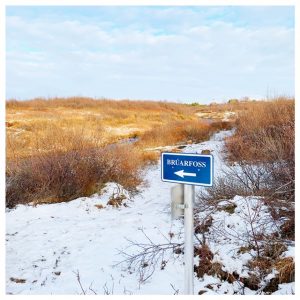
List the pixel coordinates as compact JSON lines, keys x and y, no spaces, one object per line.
{"x":220,"y":60}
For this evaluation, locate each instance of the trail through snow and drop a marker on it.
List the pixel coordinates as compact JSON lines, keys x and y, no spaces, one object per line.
{"x":47,"y":245}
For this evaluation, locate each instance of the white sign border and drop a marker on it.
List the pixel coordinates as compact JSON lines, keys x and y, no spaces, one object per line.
{"x":189,"y":154}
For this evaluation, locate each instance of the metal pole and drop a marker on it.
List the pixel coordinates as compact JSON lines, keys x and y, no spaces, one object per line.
{"x":189,"y":197}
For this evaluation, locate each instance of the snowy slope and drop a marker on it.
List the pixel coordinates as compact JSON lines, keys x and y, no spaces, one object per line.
{"x":48,"y":245}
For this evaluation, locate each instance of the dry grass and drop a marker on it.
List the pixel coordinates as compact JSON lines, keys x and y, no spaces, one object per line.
{"x":286,"y":269}
{"x":42,"y":125}
{"x":265,"y":132}
{"x":263,"y":147}
{"x":265,"y":135}
{"x":181,"y":132}
{"x":176,"y":132}
{"x":17,"y":280}
{"x":59,"y":149}
{"x":58,"y":177}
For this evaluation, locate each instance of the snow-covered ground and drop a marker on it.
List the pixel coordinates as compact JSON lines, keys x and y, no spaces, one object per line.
{"x":49,"y":245}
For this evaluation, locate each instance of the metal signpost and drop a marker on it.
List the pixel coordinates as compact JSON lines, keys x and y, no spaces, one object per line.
{"x":189,"y":170}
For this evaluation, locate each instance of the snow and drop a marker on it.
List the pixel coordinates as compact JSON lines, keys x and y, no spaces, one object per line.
{"x":72,"y":236}
{"x":48,"y":245}
{"x":290,"y":252}
{"x":285,"y":289}
{"x":228,"y":115}
{"x":229,"y":231}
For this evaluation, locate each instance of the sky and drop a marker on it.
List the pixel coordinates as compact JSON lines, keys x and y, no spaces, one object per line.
{"x":180,"y":53}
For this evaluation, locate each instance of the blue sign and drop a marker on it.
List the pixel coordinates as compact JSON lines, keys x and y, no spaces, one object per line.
{"x":196,"y":169}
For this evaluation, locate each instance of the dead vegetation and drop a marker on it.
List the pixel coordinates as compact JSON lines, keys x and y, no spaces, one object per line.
{"x":265,"y":153}
{"x":258,"y":270}
{"x":261,"y":158}
{"x":58,"y":124}
{"x":181,"y":132}
{"x":266,"y":209}
{"x":45,"y":125}
{"x":60,"y":149}
{"x":58,"y":177}
{"x":147,"y":256}
{"x":116,"y":200}
{"x":17,"y":280}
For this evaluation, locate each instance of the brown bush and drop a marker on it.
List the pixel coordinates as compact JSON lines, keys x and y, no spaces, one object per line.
{"x":57,"y":177}
{"x":252,"y":281}
{"x":224,"y":188}
{"x":286,"y":273}
{"x":288,"y":228}
{"x":98,"y":103}
{"x":274,"y":249}
{"x":151,"y":157}
{"x":286,"y":269}
{"x":263,"y":264}
{"x":265,"y":133}
{"x":187,"y":131}
{"x":264,"y":147}
{"x":174,"y":132}
{"x":205,"y":258}
{"x":116,"y":200}
{"x":61,"y":148}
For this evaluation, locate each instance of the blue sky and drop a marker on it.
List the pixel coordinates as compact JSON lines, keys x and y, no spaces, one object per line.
{"x":178,"y":53}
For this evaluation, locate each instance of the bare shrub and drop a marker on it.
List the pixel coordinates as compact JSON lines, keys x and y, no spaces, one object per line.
{"x":265,"y":135}
{"x":148,"y":256}
{"x":263,"y":148}
{"x":205,"y":258}
{"x":264,"y":132}
{"x":223,"y":188}
{"x":181,"y":132}
{"x":60,"y":177}
{"x":150,"y":157}
{"x":174,"y":132}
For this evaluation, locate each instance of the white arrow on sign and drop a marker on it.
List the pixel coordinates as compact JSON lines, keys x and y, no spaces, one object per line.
{"x":181,"y":174}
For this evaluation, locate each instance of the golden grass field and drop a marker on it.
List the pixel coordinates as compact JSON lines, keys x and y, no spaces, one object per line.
{"x":40,"y":125}
{"x":62,"y":148}
{"x":59,"y":149}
